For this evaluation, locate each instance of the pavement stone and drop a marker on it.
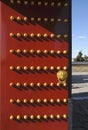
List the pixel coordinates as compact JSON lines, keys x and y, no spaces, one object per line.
{"x":80,"y":101}
{"x":80,"y":114}
{"x":79,"y":82}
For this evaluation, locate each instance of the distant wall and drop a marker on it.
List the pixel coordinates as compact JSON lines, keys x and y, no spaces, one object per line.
{"x":79,"y":66}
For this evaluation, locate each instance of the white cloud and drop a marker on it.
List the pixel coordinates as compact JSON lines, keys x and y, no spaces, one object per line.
{"x":81,"y":37}
{"x":75,"y":37}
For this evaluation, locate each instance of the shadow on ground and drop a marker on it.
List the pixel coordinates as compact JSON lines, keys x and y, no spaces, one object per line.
{"x":80,"y":111}
{"x":79,"y":79}
{"x":80,"y":95}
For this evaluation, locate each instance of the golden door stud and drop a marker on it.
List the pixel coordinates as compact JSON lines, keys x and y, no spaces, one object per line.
{"x":46,"y":3}
{"x":32,"y":84}
{"x":32,"y":2}
{"x":65,"y":100}
{"x":25,"y":35}
{"x":52,"y":35}
{"x":32,"y":68}
{"x":18,"y":2}
{"x":39,"y":3}
{"x":45,"y":68}
{"x":32,"y":51}
{"x":59,"y":35}
{"x":65,"y":52}
{"x":18,"y":68}
{"x":38,"y":51}
{"x":18,"y":101}
{"x":52,"y":84}
{"x":25,"y":51}
{"x":31,"y":101}
{"x":11,"y":34}
{"x":45,"y":19}
{"x":52,"y":67}
{"x":18,"y":84}
{"x":32,"y":117}
{"x":45,"y":116}
{"x":51,"y":100}
{"x":45,"y":100}
{"x":65,"y":116}
{"x":18,"y":35}
{"x":25,"y":101}
{"x":25,"y":19}
{"x":32,"y":35}
{"x":39,"y":84}
{"x":12,"y":68}
{"x":58,"y":84}
{"x":18,"y":18}
{"x":18,"y":117}
{"x":45,"y":84}
{"x":45,"y":51}
{"x":25,"y":84}
{"x":25,"y":117}
{"x":38,"y":68}
{"x":11,"y":51}
{"x":58,"y":52}
{"x":66,"y":4}
{"x":39,"y":100}
{"x":58,"y":116}
{"x":25,"y":68}
{"x":26,"y":2}
{"x":11,"y":84}
{"x":12,"y":1}
{"x":58,"y":4}
{"x":59,"y":20}
{"x":11,"y":117}
{"x":12,"y":18}
{"x":38,"y":117}
{"x":11,"y":100}
{"x":45,"y":35}
{"x":52,"y":116}
{"x":32,"y":19}
{"x":52,"y":52}
{"x":38,"y":19}
{"x":18,"y":51}
{"x":52,"y":19}
{"x":58,"y":100}
{"x":58,"y":67}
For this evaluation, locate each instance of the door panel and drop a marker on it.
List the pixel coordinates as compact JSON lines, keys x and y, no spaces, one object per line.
{"x":35,"y":64}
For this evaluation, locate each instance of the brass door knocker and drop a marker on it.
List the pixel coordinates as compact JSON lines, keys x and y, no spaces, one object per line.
{"x":62,"y":76}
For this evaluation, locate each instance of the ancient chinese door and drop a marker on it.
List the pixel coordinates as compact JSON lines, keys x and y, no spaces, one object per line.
{"x":35,"y":46}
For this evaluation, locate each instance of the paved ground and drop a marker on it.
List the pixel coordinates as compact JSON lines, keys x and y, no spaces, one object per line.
{"x":80,"y":83}
{"x":80,"y":101}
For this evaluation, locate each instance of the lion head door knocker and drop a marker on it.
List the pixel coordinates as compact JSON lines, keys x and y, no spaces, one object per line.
{"x":62,"y":76}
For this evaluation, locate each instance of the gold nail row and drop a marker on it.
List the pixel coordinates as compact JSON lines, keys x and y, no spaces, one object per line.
{"x":25,"y":85}
{"x":18,"y":51}
{"x":39,"y":3}
{"x":38,"y":117}
{"x":32,"y":101}
{"x":33,"y":19}
{"x":52,"y":68}
{"x":38,"y":35}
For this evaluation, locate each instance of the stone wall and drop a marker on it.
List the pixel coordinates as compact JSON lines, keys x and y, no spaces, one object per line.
{"x":79,"y":66}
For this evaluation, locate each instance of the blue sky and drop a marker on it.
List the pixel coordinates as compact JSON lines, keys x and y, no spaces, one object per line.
{"x":79,"y":27}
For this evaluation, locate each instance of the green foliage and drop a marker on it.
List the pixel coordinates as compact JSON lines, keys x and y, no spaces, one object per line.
{"x":85,"y":57}
{"x":80,"y":57}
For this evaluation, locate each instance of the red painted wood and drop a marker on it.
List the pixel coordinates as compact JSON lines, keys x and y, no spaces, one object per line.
{"x":8,"y":76}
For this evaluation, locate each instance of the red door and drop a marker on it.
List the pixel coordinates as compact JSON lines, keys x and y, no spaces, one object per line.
{"x":35,"y":43}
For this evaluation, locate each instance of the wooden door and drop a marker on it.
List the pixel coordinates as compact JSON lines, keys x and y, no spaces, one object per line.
{"x":35,"y":43}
